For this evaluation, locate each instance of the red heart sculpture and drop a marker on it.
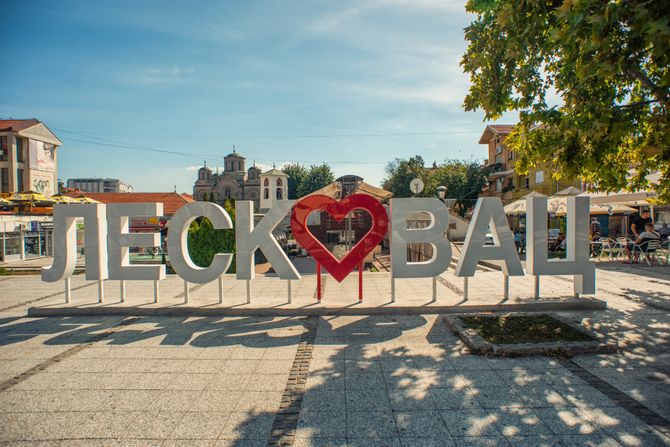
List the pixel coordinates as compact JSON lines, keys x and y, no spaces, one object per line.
{"x":339,"y":210}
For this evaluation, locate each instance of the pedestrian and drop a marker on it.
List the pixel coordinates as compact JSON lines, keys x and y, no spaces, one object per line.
{"x":639,"y":223}
{"x":634,"y":248}
{"x":595,"y":225}
{"x":664,"y":232}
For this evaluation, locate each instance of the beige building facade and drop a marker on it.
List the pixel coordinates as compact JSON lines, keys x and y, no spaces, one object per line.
{"x":28,"y":157}
{"x":503,"y":181}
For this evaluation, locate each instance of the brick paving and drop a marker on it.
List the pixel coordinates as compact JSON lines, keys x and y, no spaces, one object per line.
{"x":382,"y":380}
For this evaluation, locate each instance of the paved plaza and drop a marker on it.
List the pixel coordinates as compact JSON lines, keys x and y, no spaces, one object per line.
{"x":325,"y":380}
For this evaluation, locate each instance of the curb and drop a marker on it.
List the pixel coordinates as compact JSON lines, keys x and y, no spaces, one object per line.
{"x":581,"y":304}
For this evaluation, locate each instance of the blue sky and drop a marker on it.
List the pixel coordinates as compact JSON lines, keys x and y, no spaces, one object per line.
{"x":352,"y":83}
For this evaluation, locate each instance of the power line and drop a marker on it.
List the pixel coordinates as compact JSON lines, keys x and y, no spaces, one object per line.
{"x":194,"y":155}
{"x":107,"y":142}
{"x":297,"y":136}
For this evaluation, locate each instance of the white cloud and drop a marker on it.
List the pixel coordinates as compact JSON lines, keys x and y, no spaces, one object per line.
{"x":152,"y":75}
{"x":192,"y":168}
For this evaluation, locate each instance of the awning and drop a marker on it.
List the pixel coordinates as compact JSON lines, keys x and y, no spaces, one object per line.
{"x":624,"y":197}
{"x":519,"y":206}
{"x":333,"y":190}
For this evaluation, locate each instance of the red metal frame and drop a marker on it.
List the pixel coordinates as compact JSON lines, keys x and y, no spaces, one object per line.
{"x":339,"y":269}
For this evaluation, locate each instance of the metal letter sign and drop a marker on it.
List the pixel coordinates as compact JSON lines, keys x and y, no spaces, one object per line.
{"x":338,"y":210}
{"x":115,"y":239}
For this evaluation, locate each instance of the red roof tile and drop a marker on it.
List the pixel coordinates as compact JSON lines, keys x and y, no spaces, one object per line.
{"x":171,"y":201}
{"x":503,"y":129}
{"x":18,"y":124}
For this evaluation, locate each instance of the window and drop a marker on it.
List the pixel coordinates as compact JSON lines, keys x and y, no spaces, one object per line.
{"x":510,"y":155}
{"x":19,"y":179}
{"x":266,"y":193}
{"x":279,"y":182}
{"x":539,"y":177}
{"x":498,"y":185}
{"x":227,"y":193}
{"x":498,"y":159}
{"x":3,"y":148}
{"x":526,"y":182}
{"x":279,"y":194}
{"x":266,"y":182}
{"x":4,"y":180}
{"x":19,"y":150}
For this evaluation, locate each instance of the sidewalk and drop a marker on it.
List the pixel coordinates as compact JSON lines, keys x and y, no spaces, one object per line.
{"x":385,"y":380}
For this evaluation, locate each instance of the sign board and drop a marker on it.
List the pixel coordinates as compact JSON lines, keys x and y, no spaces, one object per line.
{"x":416,"y":186}
{"x":107,"y":239}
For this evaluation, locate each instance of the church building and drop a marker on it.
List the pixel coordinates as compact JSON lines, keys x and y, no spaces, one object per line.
{"x":236,"y":182}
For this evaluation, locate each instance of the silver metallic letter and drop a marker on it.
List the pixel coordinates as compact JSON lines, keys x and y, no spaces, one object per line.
{"x":489,"y":212}
{"x":434,"y":235}
{"x":65,"y":241}
{"x":178,"y":242}
{"x":119,"y":240}
{"x":577,"y":261}
{"x":249,"y":238}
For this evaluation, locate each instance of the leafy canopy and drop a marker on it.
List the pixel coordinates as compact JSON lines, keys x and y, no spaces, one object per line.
{"x":204,"y":241}
{"x":317,"y":177}
{"x":296,"y":174}
{"x":608,"y":60}
{"x":463,"y":180}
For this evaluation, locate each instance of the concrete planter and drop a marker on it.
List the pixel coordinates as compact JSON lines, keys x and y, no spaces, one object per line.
{"x":477,"y":343}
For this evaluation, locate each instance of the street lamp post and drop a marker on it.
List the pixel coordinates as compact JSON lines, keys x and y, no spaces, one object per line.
{"x":441,"y":192}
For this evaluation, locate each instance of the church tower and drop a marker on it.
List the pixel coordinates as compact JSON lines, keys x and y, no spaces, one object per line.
{"x":274,"y":187}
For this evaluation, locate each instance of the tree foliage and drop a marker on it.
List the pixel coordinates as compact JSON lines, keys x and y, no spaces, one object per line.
{"x":204,"y":241}
{"x":296,"y":174}
{"x":463,"y":180}
{"x":609,"y":61}
{"x":317,"y":177}
{"x":401,"y":172}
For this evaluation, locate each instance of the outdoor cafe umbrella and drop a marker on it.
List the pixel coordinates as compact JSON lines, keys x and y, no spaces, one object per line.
{"x":61,"y":198}
{"x":560,"y":199}
{"x":518,"y":207}
{"x":5,"y":202}
{"x":600,"y":208}
{"x":30,"y":197}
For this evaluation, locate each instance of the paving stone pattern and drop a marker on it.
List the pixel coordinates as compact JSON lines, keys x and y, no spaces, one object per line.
{"x":387,"y":380}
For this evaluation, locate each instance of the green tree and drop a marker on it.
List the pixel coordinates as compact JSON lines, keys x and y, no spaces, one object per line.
{"x":317,"y":177}
{"x":204,"y":241}
{"x":401,"y":172}
{"x":296,"y":174}
{"x":609,"y":61}
{"x":463,"y":179}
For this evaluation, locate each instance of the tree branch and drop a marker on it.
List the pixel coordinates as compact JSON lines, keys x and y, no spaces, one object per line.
{"x":660,"y":93}
{"x":638,"y":103}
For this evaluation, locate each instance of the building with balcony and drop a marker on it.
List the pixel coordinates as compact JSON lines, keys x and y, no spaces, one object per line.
{"x":28,"y":162}
{"x":99,"y":185}
{"x":503,"y":181}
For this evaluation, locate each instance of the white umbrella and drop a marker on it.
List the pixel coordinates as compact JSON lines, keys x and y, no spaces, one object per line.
{"x":518,"y":207}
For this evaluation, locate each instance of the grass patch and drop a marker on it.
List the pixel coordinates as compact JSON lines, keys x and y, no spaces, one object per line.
{"x":4,"y":271}
{"x":513,"y":329}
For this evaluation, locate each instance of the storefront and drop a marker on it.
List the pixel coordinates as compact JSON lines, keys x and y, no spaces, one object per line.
{"x":37,"y":241}
{"x":25,"y":237}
